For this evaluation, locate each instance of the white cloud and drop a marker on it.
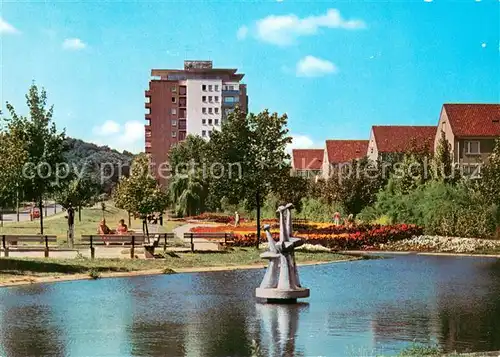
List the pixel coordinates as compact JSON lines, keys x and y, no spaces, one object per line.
{"x":74,"y":44}
{"x":311,"y":66}
{"x":242,"y":33}
{"x":7,"y":28}
{"x":129,"y":136}
{"x":109,"y":127}
{"x":483,"y":45}
{"x":283,"y":30}
{"x":300,"y":142}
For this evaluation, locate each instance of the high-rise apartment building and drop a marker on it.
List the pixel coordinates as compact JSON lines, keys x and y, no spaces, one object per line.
{"x":195,"y":100}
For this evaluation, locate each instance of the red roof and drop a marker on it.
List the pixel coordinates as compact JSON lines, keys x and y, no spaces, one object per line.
{"x":341,"y":151}
{"x":474,"y":119}
{"x":398,"y":138}
{"x":307,"y":159}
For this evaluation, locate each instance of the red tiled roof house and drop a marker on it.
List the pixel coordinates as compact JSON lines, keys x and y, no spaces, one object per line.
{"x":399,"y":139}
{"x":307,"y":162}
{"x":471,"y":129}
{"x":338,"y":152}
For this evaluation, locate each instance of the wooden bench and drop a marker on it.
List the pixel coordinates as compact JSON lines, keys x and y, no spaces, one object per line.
{"x":11,"y":242}
{"x":107,"y":239}
{"x":221,"y":238}
{"x":135,"y":239}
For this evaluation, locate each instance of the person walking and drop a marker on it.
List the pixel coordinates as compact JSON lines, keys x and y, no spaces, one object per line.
{"x":71,"y":226}
{"x":236,"y":219}
{"x":336,"y":218}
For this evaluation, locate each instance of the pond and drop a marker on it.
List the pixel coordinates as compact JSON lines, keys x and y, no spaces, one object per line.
{"x":356,"y":308}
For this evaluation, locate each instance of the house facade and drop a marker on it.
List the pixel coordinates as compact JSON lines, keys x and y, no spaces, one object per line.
{"x":471,"y":130}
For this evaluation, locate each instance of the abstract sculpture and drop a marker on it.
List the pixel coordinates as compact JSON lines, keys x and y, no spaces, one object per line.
{"x":281,"y":282}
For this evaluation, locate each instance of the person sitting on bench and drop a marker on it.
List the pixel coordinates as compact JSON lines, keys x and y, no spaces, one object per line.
{"x":122,"y":227}
{"x":103,"y":229}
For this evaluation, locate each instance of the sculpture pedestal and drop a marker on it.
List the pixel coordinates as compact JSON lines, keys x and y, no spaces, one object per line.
{"x":281,"y":296}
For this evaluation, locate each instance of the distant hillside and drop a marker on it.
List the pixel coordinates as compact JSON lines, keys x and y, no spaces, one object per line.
{"x":98,"y":159}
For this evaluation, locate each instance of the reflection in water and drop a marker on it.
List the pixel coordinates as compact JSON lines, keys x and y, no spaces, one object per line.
{"x":472,"y":322}
{"x":27,"y":327}
{"x":358,"y":307}
{"x":280,"y":326}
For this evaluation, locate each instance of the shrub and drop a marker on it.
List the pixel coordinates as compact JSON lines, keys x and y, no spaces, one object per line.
{"x":94,"y":274}
{"x":316,"y":210}
{"x":442,"y":208}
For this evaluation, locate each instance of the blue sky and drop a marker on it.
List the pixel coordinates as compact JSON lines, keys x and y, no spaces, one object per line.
{"x":335,"y":68}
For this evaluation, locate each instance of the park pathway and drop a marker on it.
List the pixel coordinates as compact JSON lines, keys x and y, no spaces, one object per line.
{"x":206,"y":245}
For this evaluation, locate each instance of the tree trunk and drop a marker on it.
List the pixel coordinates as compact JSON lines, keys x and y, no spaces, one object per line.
{"x":145,"y":230}
{"x":40,"y":207}
{"x":79,"y":213}
{"x":1,"y":217}
{"x":129,"y":223}
{"x":257,"y":197}
{"x":17,"y":205}
{"x":45,"y":209}
{"x":55,"y":207}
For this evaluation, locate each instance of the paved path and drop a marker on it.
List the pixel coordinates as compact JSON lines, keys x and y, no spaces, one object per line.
{"x":207,"y":245}
{"x":24,"y":214}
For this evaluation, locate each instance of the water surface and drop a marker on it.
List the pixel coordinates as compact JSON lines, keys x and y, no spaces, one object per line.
{"x":357,"y":308}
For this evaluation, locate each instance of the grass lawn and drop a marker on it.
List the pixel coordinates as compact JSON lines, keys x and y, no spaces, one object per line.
{"x":57,"y":224}
{"x":19,"y":268}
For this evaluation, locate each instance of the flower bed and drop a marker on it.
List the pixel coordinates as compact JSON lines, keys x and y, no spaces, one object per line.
{"x":445,"y":245}
{"x":334,"y":237}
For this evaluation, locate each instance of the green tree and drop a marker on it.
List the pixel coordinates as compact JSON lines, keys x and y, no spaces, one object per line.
{"x":356,"y":187}
{"x":44,"y":170}
{"x":12,"y":159}
{"x":140,"y":193}
{"x":189,"y":184}
{"x":78,"y":193}
{"x":255,"y":146}
{"x":188,"y":194}
{"x":490,"y":179}
{"x":443,"y":161}
{"x":188,"y":154}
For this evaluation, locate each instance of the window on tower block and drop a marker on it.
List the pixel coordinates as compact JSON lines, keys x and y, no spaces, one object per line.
{"x":174,"y":89}
{"x":210,"y":110}
{"x":203,"y":87}
{"x":209,"y":121}
{"x":209,"y":87}
{"x":174,"y":99}
{"x":216,"y":87}
{"x":173,"y":111}
{"x":203,"y":98}
{"x":174,"y":122}
{"x":204,"y":121}
{"x":216,"y":110}
{"x":174,"y":134}
{"x":204,"y":110}
{"x":203,"y":133}
{"x":216,"y":121}
{"x":216,"y":99}
{"x":210,"y":133}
